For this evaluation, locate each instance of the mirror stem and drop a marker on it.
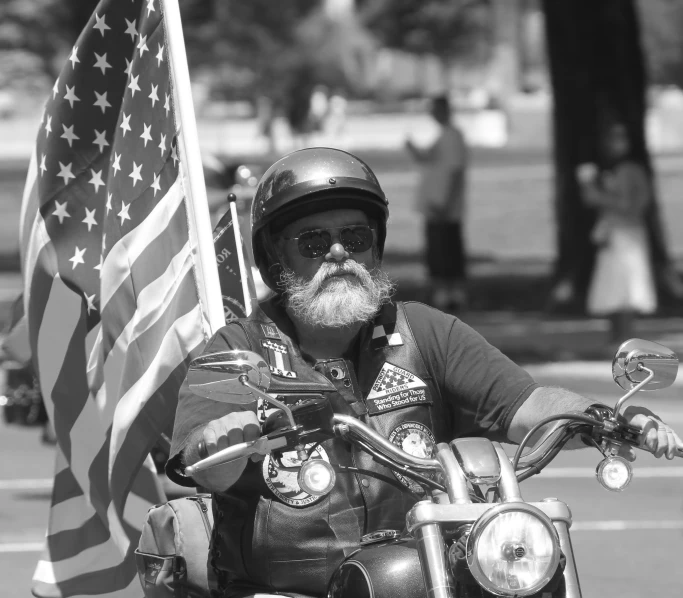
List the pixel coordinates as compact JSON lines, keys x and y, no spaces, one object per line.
{"x":244,"y":379}
{"x":650,"y":374}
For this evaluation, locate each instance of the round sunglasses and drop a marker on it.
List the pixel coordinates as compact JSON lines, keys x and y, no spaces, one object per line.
{"x":316,"y":243}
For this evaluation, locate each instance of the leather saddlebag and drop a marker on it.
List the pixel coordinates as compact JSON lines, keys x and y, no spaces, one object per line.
{"x":172,"y":557}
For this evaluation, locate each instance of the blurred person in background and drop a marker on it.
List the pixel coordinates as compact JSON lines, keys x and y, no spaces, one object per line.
{"x":623,"y":284}
{"x":441,"y":199}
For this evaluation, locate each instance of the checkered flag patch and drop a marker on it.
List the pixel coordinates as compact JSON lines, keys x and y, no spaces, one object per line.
{"x":385,"y":335}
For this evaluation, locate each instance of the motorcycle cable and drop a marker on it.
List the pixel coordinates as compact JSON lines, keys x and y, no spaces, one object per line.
{"x":406,"y":471}
{"x":572,"y":430}
{"x":570,"y":416}
{"x":379,"y":476}
{"x":367,"y":472}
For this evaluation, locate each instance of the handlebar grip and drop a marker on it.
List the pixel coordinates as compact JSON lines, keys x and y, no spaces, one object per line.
{"x":232,"y":453}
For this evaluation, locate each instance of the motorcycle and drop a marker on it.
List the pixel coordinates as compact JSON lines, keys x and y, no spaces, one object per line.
{"x":474,"y":534}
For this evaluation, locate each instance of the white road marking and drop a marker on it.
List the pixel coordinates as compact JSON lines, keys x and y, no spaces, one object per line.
{"x":588,"y":472}
{"x":617,"y":525}
{"x":22,"y":547}
{"x":26,"y":484}
{"x":622,"y":525}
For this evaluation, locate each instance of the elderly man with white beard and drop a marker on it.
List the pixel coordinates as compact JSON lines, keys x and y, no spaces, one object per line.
{"x":416,"y":375}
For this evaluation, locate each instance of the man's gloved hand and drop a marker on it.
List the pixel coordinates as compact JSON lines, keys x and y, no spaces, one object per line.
{"x":219,"y":434}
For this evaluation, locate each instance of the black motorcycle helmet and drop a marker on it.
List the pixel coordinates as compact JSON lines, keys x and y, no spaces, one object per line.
{"x":308,"y":181}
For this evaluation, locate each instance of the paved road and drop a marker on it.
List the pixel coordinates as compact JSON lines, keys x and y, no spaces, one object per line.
{"x":627,"y":544}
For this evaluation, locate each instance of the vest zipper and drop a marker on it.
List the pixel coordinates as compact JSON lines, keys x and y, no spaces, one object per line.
{"x":199,"y":501}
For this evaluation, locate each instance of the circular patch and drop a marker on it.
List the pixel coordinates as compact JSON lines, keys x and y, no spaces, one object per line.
{"x":417,"y":440}
{"x":281,"y":477}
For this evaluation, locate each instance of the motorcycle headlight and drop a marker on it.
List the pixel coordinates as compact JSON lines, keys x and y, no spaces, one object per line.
{"x":513,"y":550}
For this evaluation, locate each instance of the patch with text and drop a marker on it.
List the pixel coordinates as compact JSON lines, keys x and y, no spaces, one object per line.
{"x":278,"y":358}
{"x":281,"y":476}
{"x":270,"y":331}
{"x":417,"y":440}
{"x":395,"y":388}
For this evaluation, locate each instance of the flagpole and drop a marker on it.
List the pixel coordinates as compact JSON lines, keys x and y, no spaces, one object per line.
{"x":197,"y":204}
{"x":248,"y":288}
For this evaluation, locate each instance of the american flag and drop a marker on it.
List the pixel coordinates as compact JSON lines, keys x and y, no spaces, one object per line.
{"x":118,"y":292}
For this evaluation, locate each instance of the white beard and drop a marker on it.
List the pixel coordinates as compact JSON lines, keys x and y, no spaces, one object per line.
{"x":334,"y":301}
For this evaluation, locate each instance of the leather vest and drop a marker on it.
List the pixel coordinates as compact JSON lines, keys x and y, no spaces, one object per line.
{"x":271,"y":535}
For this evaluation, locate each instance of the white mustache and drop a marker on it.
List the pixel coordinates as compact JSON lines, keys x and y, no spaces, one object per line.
{"x":342,"y":302}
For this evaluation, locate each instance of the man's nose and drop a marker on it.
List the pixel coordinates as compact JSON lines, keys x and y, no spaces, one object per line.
{"x":337,"y":253}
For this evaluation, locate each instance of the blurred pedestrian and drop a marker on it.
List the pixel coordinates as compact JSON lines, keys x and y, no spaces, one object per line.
{"x":441,"y":198}
{"x":335,"y":123}
{"x":622,"y":285}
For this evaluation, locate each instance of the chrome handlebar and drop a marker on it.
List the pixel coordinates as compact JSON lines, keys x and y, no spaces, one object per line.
{"x":345,"y":425}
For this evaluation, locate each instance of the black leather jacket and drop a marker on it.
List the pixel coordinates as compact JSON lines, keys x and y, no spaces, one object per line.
{"x":268,"y":535}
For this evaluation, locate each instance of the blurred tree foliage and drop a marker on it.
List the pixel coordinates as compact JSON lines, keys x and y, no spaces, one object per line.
{"x":449,"y":29}
{"x":34,"y":35}
{"x":274,"y":49}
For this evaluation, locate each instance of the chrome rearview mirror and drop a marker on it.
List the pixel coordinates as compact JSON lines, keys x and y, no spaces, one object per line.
{"x":219,"y":376}
{"x":636,"y":358}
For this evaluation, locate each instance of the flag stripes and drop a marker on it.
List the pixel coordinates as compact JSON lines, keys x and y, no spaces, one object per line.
{"x":129,"y":249}
{"x":118,"y":292}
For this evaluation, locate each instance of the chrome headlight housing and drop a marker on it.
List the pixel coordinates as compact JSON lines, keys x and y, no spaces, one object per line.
{"x":513,"y":550}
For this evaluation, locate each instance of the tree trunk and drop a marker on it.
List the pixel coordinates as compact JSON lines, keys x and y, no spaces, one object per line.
{"x":598,"y":76}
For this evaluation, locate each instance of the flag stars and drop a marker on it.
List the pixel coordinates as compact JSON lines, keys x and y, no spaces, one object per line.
{"x":129,"y":66}
{"x":101,"y":140}
{"x":167,"y":103}
{"x":78,"y":257}
{"x":65,"y":172}
{"x":69,"y":134}
{"x":71,"y":95}
{"x":99,"y":266}
{"x":108,"y":206}
{"x":101,"y":25}
{"x":90,"y":299}
{"x":74,"y":57}
{"x":150,"y":7}
{"x":133,"y":85}
{"x":155,"y":185}
{"x":142,"y":45}
{"x":43,"y":168}
{"x":146,"y":134}
{"x":61,"y":212}
{"x":162,"y":145}
{"x":89,"y":218}
{"x":123,"y":214}
{"x":116,"y":166}
{"x":132,"y":29}
{"x":125,"y":123}
{"x":174,"y":154}
{"x":160,"y":55}
{"x":153,"y":95}
{"x":101,"y":63}
{"x":135,"y":174}
{"x":55,"y":89}
{"x":48,"y":124}
{"x":96,"y":180}
{"x":102,"y":101}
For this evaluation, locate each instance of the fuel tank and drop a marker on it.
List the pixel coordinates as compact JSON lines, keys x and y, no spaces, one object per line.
{"x":382,"y":569}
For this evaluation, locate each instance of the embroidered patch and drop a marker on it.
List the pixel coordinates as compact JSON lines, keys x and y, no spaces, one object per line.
{"x":385,"y":335}
{"x":395,"y":388}
{"x":281,"y":477}
{"x":270,"y":331}
{"x":417,"y":440}
{"x":278,"y":358}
